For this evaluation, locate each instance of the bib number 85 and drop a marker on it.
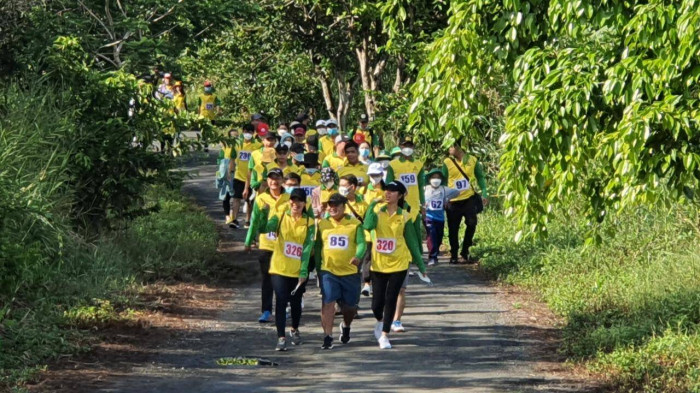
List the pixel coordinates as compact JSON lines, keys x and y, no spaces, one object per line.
{"x":292,"y":250}
{"x":338,"y":242}
{"x":386,"y":246}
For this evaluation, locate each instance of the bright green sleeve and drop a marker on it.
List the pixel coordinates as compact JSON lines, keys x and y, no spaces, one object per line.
{"x":389,"y":174}
{"x":421,"y":186}
{"x":325,"y":164}
{"x":370,"y":217}
{"x":217,"y":101}
{"x":251,"y":162}
{"x":414,"y":246}
{"x":306,"y":253}
{"x":253,"y":230}
{"x":481,"y":179}
{"x":254,"y":183}
{"x":269,"y":225}
{"x":360,"y":241}
{"x":445,"y":173}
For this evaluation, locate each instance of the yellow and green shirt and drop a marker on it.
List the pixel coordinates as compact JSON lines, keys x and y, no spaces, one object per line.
{"x":207,"y":105}
{"x":359,"y":170}
{"x":295,"y":241}
{"x":410,"y":173}
{"x":333,"y":161}
{"x":260,"y":216}
{"x":337,"y":242}
{"x":243,"y":155}
{"x":455,"y":179}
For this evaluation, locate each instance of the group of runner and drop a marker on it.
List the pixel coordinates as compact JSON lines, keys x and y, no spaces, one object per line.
{"x":316,"y":199}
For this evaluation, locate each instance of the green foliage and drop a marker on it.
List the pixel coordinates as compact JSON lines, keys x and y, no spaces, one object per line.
{"x":620,"y":298}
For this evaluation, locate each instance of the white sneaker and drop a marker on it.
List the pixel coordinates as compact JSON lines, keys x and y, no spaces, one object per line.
{"x":366,"y":290}
{"x":397,"y":327}
{"x":378,"y":330}
{"x":384,"y":342}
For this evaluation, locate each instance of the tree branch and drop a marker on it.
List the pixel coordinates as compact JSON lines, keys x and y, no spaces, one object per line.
{"x":168,"y":12}
{"x":89,"y":11}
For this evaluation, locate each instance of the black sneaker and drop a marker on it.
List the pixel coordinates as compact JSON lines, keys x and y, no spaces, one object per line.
{"x":454,"y":261}
{"x":234,"y":224}
{"x":469,"y":260}
{"x":345,"y":333}
{"x":327,"y":343}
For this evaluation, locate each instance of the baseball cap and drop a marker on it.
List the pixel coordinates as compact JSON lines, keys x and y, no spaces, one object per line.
{"x":281,"y":149}
{"x":256,"y":116}
{"x":297,"y":148}
{"x":341,"y":138}
{"x":364,"y":118}
{"x":275,"y":172}
{"x":320,"y":123}
{"x":167,"y":75}
{"x":311,"y":160}
{"x":383,"y":155}
{"x":298,"y":194}
{"x":395,"y":150}
{"x":207,"y":83}
{"x":375,"y":168}
{"x":395,"y":186}
{"x":299,"y":130}
{"x":312,"y":140}
{"x":337,"y":199}
{"x":331,"y":122}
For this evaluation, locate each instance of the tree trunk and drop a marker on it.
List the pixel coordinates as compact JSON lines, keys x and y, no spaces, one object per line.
{"x":327,"y":96}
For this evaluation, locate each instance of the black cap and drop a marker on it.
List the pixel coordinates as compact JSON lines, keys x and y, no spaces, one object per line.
{"x":311,"y":160}
{"x":275,"y":172}
{"x":256,"y":116}
{"x":281,"y":149}
{"x":337,"y":199}
{"x":395,"y":186}
{"x":297,"y":148}
{"x":364,"y":118}
{"x":299,"y":194}
{"x":270,"y":135}
{"x":312,"y":140}
{"x":249,"y":128}
{"x":406,"y":140}
{"x":302,"y":116}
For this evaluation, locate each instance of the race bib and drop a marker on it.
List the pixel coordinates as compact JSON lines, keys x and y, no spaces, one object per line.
{"x":409,"y":179}
{"x":435,"y":205}
{"x":308,"y":190}
{"x":338,"y":242}
{"x":244,"y":155}
{"x":462,"y":184}
{"x":385,"y":245}
{"x":209,"y":106}
{"x":361,"y":180}
{"x":292,"y":250}
{"x":271,"y":236}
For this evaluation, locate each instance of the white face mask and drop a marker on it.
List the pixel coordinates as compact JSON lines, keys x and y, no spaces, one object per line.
{"x":329,"y":184}
{"x":344,"y":191}
{"x":407,"y":151}
{"x":281,"y":131}
{"x":247,"y":136}
{"x":288,"y":143}
{"x":375,"y":179}
{"x":385,"y":164}
{"x":435,"y":182}
{"x":322,"y":131}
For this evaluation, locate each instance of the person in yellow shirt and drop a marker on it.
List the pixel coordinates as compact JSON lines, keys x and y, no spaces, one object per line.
{"x":296,"y":153}
{"x":325,"y":142}
{"x":373,"y":192}
{"x":266,"y":204}
{"x":352,"y":164}
{"x":347,"y":187}
{"x":395,"y":245}
{"x":409,"y":171}
{"x":340,"y":245}
{"x":327,"y":145}
{"x":295,"y":230}
{"x":337,"y":158}
{"x":246,"y":146}
{"x":311,"y":178}
{"x":258,"y":159}
{"x":312,"y":147}
{"x":209,"y":104}
{"x":319,"y":196}
{"x":179,"y":98}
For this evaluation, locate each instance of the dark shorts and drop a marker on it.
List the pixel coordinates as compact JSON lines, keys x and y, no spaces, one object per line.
{"x":343,"y":289}
{"x":238,"y":187}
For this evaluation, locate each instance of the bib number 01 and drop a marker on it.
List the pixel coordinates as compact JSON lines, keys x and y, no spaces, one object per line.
{"x":292,"y":250}
{"x":338,"y":242}
{"x":386,"y":246}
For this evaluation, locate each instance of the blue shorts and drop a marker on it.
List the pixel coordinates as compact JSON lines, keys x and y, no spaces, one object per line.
{"x":342,"y":289}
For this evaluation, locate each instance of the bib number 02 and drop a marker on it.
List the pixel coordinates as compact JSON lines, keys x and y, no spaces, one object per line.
{"x":292,"y":250}
{"x":386,"y":246}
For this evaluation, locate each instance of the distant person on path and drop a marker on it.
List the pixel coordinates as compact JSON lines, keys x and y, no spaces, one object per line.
{"x":394,"y":246}
{"x":179,"y":98}
{"x":461,"y":170}
{"x":165,"y":89}
{"x":295,"y":230}
{"x":437,"y":197}
{"x":340,"y":246}
{"x":209,"y":107}
{"x":266,"y":204}
{"x":245,"y":148}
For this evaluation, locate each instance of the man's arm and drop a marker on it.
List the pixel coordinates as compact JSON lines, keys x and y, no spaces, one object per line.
{"x":421,"y":186}
{"x":481,"y":179}
{"x":361,"y":243}
{"x":253,"y":230}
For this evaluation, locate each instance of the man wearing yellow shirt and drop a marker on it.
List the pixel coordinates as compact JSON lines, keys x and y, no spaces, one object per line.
{"x":328,"y":135}
{"x":337,"y":158}
{"x":352,"y":164}
{"x":258,"y":158}
{"x":409,"y":171}
{"x":311,"y":177}
{"x":245,"y":148}
{"x":266,"y":204}
{"x":311,"y":146}
{"x":340,"y":245}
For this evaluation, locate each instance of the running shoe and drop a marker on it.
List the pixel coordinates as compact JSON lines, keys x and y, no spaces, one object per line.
{"x":345,"y":333}
{"x":265,"y":317}
{"x":397,"y":327}
{"x":247,"y":225}
{"x":327,"y":343}
{"x":281,"y":344}
{"x":296,"y":337}
{"x":378,"y":329}
{"x":229,"y":219}
{"x":365,"y":289}
{"x":234,"y":224}
{"x":455,"y":261}
{"x":384,"y":342}
{"x":432,"y":261}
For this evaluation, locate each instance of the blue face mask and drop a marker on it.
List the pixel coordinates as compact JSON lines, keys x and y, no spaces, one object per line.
{"x":332,"y":131}
{"x":299,"y":157}
{"x":207,"y":89}
{"x":289,"y":190}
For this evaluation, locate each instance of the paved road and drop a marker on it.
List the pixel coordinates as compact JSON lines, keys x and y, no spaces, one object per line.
{"x":457,"y":339}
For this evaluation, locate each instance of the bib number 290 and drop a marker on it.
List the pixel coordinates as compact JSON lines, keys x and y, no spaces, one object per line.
{"x":292,"y":250}
{"x":386,"y":246}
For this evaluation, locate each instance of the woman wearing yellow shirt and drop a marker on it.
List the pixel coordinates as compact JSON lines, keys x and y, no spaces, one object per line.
{"x":295,"y":230}
{"x":394,"y":246}
{"x":373,"y":192}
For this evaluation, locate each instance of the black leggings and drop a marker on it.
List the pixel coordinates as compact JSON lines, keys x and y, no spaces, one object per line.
{"x":227,"y":204}
{"x":266,"y":283}
{"x":464,"y":209}
{"x":385,"y":292}
{"x":283,"y":287}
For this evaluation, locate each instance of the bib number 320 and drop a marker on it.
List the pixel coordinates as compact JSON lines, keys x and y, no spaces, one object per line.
{"x":292,"y":250}
{"x":386,"y":246}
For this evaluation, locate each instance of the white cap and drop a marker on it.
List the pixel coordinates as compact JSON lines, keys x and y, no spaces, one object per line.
{"x":167,"y":75}
{"x":338,"y":139}
{"x":375,"y":168}
{"x":320,"y":122}
{"x":331,"y":121}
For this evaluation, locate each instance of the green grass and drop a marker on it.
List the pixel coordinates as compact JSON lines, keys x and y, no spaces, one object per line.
{"x":631,"y":303}
{"x":92,"y":285}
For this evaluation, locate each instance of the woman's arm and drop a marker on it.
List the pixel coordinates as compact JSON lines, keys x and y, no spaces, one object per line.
{"x":253,"y":230}
{"x":306,"y":253}
{"x":413,"y":246}
{"x":370,"y":217}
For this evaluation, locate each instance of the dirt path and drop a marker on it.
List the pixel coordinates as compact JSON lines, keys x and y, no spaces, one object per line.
{"x":461,"y":336}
